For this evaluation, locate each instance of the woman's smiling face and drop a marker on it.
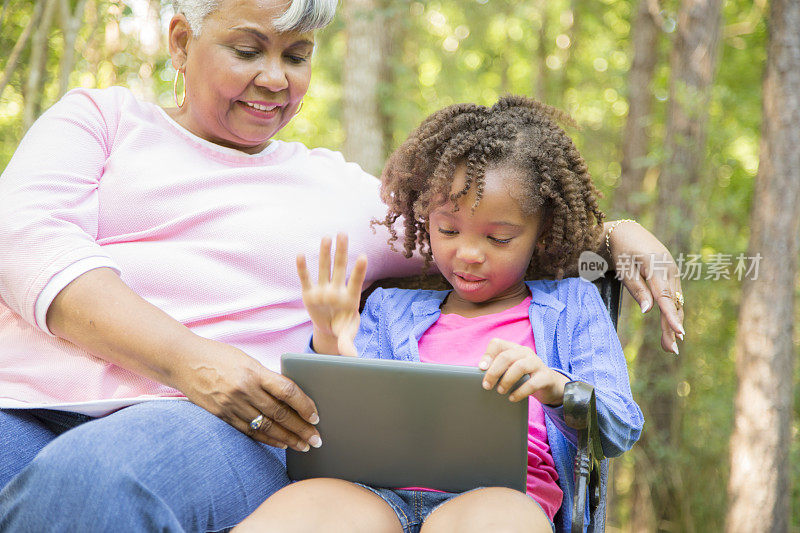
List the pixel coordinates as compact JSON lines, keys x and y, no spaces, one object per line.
{"x":244,"y":79}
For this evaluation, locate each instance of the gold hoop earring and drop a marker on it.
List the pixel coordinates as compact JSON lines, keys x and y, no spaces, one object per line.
{"x":179,"y":73}
{"x":299,"y":108}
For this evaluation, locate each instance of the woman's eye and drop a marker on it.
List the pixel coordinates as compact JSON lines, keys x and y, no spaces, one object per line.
{"x":499,"y":240}
{"x":245,"y":53}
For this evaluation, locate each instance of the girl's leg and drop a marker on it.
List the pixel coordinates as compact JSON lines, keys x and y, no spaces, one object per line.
{"x":156,"y":466}
{"x":329,"y":505}
{"x":491,"y":509}
{"x":22,"y":436}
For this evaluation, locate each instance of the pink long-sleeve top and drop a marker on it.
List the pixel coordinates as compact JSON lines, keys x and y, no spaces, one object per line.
{"x":206,"y":233}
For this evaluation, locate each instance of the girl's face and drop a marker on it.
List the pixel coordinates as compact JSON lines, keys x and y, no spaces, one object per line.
{"x":244,"y":79}
{"x":484,"y":254}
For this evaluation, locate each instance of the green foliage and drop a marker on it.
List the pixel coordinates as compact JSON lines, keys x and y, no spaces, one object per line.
{"x":447,"y":51}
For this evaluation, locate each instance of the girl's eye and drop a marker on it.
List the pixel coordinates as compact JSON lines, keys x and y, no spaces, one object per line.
{"x":499,"y":241}
{"x":245,"y":53}
{"x":297,"y":59}
{"x":447,"y":231}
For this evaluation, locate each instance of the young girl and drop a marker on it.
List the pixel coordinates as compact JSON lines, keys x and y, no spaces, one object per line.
{"x":492,"y":196}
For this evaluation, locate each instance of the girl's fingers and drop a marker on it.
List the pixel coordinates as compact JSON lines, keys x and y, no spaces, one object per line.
{"x":518,"y":368}
{"x":340,"y":260}
{"x":500,"y":365}
{"x":324,"y":261}
{"x":302,"y":272}
{"x":494,"y":347}
{"x":357,"y":276}
{"x":530,"y":387}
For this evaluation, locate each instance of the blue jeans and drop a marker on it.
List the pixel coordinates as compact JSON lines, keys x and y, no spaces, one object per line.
{"x":413,"y":507}
{"x":155,"y":466}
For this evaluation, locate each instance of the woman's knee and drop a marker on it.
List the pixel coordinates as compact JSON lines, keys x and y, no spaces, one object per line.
{"x":330,"y":505}
{"x":495,"y":509}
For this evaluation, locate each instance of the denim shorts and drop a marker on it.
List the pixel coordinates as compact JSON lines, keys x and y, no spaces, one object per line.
{"x":412,"y":507}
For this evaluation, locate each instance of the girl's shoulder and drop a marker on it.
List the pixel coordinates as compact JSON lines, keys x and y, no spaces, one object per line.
{"x":566,"y":291}
{"x":398,"y":301}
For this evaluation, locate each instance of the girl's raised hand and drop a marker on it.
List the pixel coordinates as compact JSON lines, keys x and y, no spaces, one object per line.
{"x":506,"y":363}
{"x":333,"y":302}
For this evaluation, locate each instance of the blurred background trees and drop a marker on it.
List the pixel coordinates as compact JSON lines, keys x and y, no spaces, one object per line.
{"x":668,"y":94}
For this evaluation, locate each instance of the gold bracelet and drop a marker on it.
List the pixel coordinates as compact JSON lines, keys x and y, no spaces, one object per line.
{"x":611,"y":230}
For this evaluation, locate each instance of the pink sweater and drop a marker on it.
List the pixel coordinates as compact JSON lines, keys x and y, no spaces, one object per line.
{"x":457,"y":340}
{"x":206,"y":233}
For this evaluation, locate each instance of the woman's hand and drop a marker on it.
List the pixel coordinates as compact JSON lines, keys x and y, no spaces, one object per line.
{"x":649,"y":272}
{"x":506,"y":363}
{"x":235,"y":387}
{"x":333,"y":303}
{"x":100,"y":314}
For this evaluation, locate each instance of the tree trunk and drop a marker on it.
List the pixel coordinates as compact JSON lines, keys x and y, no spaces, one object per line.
{"x":692,"y":68}
{"x":70,"y":24}
{"x":636,"y":138}
{"x":759,"y":486}
{"x":38,"y":66}
{"x":540,"y":85}
{"x":13,"y":58}
{"x":362,"y":71}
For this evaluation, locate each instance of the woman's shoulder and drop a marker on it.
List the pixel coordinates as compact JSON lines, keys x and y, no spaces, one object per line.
{"x":110,"y":99}
{"x":104,"y":108}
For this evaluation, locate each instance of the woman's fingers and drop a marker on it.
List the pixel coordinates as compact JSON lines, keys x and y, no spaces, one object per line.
{"x":289,"y":406}
{"x":647,"y":284}
{"x":633,"y":281}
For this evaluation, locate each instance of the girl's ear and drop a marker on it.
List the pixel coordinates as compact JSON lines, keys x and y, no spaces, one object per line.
{"x":544,"y":234}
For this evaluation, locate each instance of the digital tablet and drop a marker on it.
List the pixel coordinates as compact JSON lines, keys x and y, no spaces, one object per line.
{"x":400,"y":424}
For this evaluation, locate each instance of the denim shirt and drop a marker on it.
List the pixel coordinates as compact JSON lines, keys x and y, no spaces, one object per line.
{"x":573,"y":334}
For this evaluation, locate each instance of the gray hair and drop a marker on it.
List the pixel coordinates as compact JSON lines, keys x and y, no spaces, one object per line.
{"x":301,"y":16}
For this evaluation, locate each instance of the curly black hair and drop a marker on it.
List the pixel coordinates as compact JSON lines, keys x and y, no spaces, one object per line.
{"x":518,"y":133}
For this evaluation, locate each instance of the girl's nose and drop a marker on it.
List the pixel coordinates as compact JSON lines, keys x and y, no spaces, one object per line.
{"x":470,"y":254}
{"x":272,"y":76}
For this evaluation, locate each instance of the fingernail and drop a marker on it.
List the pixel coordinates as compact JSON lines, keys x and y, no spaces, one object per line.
{"x":315,"y":441}
{"x":683,"y":331}
{"x":483,"y":365}
{"x":314,"y":418}
{"x":645,"y":306}
{"x":501,"y":390}
{"x":282,"y":446}
{"x":675,"y":348}
{"x":305,"y":447}
{"x":486,"y":385}
{"x":680,"y":336}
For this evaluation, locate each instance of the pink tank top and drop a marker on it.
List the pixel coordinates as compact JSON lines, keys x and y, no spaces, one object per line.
{"x":456,"y":340}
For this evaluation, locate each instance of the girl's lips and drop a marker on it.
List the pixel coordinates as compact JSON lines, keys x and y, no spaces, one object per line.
{"x":468,"y":277}
{"x":462,"y":284}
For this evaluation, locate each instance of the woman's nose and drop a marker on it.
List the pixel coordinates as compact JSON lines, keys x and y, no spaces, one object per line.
{"x":272,"y":76}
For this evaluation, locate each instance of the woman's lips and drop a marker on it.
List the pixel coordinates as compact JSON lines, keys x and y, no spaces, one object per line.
{"x":260,"y":110}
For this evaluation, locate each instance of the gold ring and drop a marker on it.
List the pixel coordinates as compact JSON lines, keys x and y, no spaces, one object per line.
{"x":678,"y":299}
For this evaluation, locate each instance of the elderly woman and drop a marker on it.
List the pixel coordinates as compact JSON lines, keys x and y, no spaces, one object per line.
{"x":149,"y":260}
